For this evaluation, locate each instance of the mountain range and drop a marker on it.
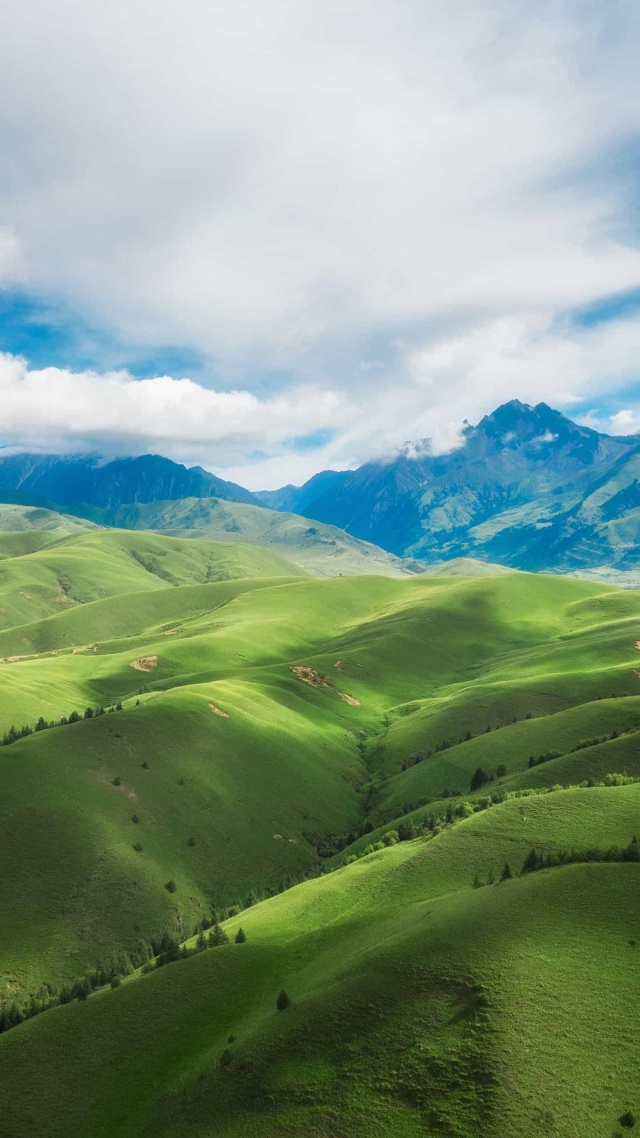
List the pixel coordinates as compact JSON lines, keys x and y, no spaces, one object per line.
{"x":527,"y":488}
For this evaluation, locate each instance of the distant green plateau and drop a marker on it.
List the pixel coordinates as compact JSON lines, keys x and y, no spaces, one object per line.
{"x":277,"y":727}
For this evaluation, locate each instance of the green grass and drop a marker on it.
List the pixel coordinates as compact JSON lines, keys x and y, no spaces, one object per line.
{"x":320,"y":549}
{"x":420,"y":1005}
{"x":385,"y":962}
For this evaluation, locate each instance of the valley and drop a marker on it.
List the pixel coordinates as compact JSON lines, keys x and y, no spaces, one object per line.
{"x":343,"y":768}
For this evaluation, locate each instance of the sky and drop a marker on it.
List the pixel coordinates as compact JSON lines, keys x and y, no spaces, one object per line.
{"x":278,"y":236}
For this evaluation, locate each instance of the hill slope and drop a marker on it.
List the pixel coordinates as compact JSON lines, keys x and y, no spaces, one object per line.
{"x":276,"y":728}
{"x":323,"y":550}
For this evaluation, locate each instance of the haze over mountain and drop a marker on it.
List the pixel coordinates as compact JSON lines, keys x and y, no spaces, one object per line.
{"x":528,"y":488}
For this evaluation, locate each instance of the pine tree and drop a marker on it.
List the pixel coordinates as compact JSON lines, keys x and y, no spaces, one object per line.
{"x":241,"y":936}
{"x":201,"y":942}
{"x":218,"y":936}
{"x":531,"y":862}
{"x":283,"y":1001}
{"x":478,"y":778}
{"x":506,"y":872}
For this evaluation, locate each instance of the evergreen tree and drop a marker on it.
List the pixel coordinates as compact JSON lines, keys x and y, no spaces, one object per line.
{"x":201,"y":942}
{"x":532,"y":862}
{"x":506,"y":872}
{"x":283,"y":1001}
{"x":478,"y":779}
{"x":218,"y":936}
{"x":241,"y":936}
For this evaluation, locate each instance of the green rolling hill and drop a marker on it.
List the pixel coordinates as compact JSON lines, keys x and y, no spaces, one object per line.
{"x":320,"y":549}
{"x":385,"y":743}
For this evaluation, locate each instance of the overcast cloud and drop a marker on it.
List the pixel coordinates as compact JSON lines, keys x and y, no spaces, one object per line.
{"x":370,"y":219}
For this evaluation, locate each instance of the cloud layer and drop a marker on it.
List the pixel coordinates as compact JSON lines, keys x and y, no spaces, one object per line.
{"x":367,"y":217}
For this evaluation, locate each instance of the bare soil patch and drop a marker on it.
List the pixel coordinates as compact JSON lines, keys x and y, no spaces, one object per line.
{"x":218,"y":711}
{"x":144,"y":663}
{"x":349,"y":699}
{"x":311,"y":677}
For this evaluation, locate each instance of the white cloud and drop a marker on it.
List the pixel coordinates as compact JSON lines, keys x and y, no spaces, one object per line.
{"x":393,"y":203}
{"x":624,"y":422}
{"x":53,"y":409}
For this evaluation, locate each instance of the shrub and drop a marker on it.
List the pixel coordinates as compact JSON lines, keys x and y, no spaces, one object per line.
{"x":390,"y":838}
{"x":627,"y":1119}
{"x":226,"y":1058}
{"x":171,"y":887}
{"x":282,"y":1001}
{"x":138,"y":848}
{"x":117,"y":781}
{"x":134,"y":818}
{"x":115,"y":981}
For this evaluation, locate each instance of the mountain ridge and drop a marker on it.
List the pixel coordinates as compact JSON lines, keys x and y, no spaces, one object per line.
{"x":88,"y":478}
{"x":519,"y":471}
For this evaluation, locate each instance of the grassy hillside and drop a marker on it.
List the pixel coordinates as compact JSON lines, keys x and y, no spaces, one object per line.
{"x":42,"y":573}
{"x":18,"y":517}
{"x":274,"y":727}
{"x":419,"y":1005}
{"x":320,"y":549}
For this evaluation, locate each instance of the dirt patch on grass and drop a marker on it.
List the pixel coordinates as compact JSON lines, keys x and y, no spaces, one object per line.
{"x":16,"y":659}
{"x":311,"y":677}
{"x":319,"y":680}
{"x":349,"y":699}
{"x":85,"y":648}
{"x":171,"y":631}
{"x":145,"y":663}
{"x":339,"y":664}
{"x":218,"y":711}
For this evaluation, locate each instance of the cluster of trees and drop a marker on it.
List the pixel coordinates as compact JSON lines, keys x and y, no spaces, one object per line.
{"x":148,"y":957}
{"x":15,"y":733}
{"x":535,"y":760}
{"x":481,"y":777}
{"x":536,"y":860}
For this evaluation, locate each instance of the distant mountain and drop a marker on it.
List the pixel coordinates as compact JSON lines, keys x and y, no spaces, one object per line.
{"x":320,"y":549}
{"x":297,"y":498}
{"x":90,"y":479}
{"x":527,"y":488}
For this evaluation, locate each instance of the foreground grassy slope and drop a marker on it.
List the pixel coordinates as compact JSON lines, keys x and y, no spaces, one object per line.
{"x":264,"y":722}
{"x":419,"y":1004}
{"x":252,"y":766}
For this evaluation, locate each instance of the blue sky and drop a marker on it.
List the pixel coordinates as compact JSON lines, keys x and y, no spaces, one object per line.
{"x":276,"y":238}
